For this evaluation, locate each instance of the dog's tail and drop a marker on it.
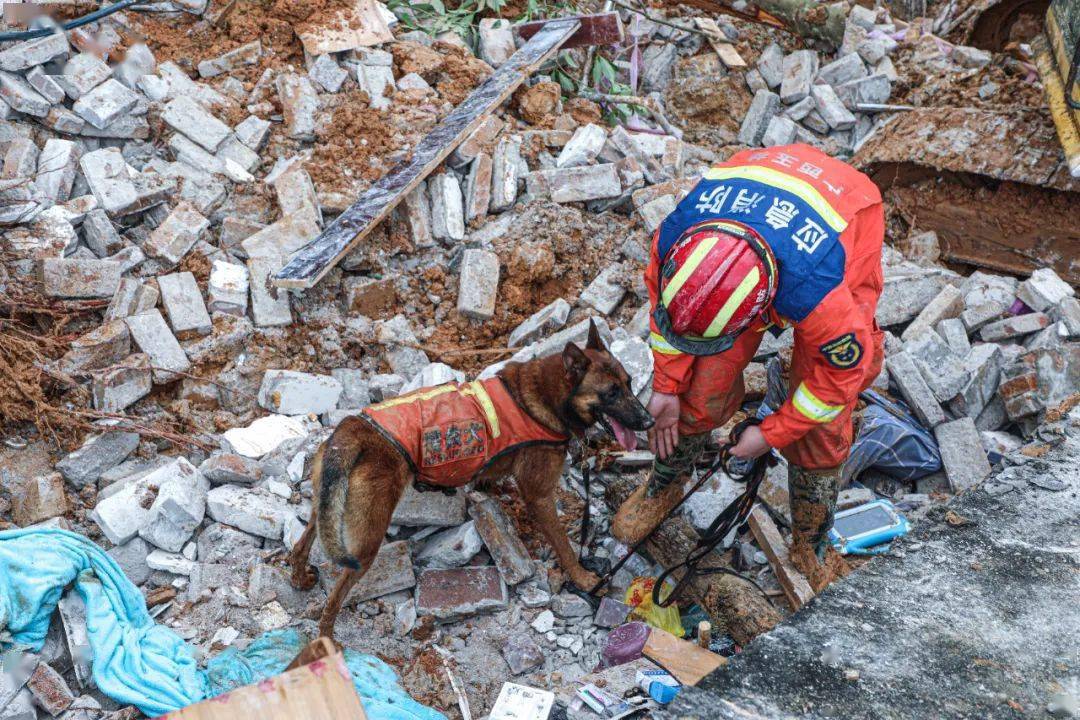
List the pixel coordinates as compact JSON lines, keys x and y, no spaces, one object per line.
{"x":338,"y":458}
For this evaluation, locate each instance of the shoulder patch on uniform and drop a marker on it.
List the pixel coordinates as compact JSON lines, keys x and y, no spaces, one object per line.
{"x":843,"y":352}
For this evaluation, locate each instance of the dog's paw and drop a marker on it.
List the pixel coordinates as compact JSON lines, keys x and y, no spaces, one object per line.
{"x":304,"y":578}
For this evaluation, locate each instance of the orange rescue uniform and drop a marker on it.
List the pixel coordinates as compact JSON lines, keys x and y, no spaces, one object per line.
{"x":825,"y":224}
{"x":450,"y":432}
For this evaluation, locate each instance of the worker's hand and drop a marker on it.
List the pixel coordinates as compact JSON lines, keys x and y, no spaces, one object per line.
{"x":664,"y":435}
{"x":751,"y":444}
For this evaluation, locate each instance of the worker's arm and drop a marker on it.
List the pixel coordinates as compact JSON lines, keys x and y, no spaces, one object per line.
{"x":671,"y":369}
{"x":840,"y":345}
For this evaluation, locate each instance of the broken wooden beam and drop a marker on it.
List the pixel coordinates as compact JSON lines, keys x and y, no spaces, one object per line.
{"x":600,"y":29}
{"x":796,"y":588}
{"x":731,"y":602}
{"x":686,"y":662}
{"x":309,"y":264}
{"x":727,"y":53}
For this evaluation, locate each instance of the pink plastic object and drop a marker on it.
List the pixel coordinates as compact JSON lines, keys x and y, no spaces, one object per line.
{"x":624,"y":644}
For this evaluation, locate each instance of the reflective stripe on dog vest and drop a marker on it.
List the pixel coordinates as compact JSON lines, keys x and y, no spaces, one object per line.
{"x":450,"y":432}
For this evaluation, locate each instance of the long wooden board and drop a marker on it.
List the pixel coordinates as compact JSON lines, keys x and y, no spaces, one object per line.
{"x":310,"y":263}
{"x":726,"y":51}
{"x":796,"y":588}
{"x":687,"y":662}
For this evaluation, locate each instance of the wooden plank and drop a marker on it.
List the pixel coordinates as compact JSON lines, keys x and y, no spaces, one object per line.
{"x":727,"y":52}
{"x":320,"y":690}
{"x":599,"y":29}
{"x":687,"y":662}
{"x":796,"y":588}
{"x":362,"y":26}
{"x":308,"y":265}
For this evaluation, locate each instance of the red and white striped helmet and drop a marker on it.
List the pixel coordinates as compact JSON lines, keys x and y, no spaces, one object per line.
{"x":716,"y":278}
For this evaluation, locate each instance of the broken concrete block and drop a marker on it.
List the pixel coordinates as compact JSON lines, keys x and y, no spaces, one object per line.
{"x":962,"y":453}
{"x":799,"y":69}
{"x":1014,"y":327}
{"x":969,"y":57}
{"x":98,"y":454}
{"x":122,"y":513}
{"x":522,"y":654}
{"x":247,"y":54}
{"x":105,"y":103}
{"x":658,"y":61}
{"x":63,"y":120}
{"x":941,"y":368}
{"x":116,"y":387}
{"x":764,"y":106}
{"x":384,"y":386}
{"x":482,"y":139}
{"x":269,"y":304}
{"x":583,"y":147}
{"x":874,"y":89}
{"x":82,"y":73}
{"x":947,"y":304}
{"x":478,"y":284}
{"x":296,"y":194}
{"x":154,"y":338}
{"x":80,"y":278}
{"x":501,"y":539}
{"x":369,"y":297}
{"x":420,"y":509}
{"x":955,"y":336}
{"x":131,"y":557}
{"x":228,"y":288}
{"x":550,"y":318}
{"x":478,"y":188}
{"x":575,"y":184}
{"x":21,"y":159}
{"x":50,"y":690}
{"x":391,"y":571}
{"x":447,"y":212}
{"x":605,"y":292}
{"x":282,"y":238}
{"x":375,"y":80}
{"x":103,"y":346}
{"x":25,"y":55}
{"x":179,"y":507}
{"x":771,"y":65}
{"x":255,"y":511}
{"x":230,"y":469}
{"x":845,"y":69}
{"x":1040,"y":292}
{"x":195,"y":122}
{"x":459,"y":592}
{"x":327,"y":74}
{"x":184,"y":304}
{"x":831,"y":109}
{"x":20,"y":96}
{"x":252,"y":132}
{"x":41,"y":498}
{"x":496,"y":41}
{"x":297,"y":393}
{"x":173,"y":239}
{"x":918,"y":395}
{"x":1067,"y":313}
{"x":56,"y":169}
{"x":504,"y":172}
{"x":983,"y":367}
{"x":874,"y":49}
{"x":106,"y":173}
{"x":131,"y":298}
{"x":815,"y":122}
{"x":451,"y":548}
{"x":780,"y":131}
{"x":1039,"y":379}
{"x":611,"y":613}
{"x":413,"y":215}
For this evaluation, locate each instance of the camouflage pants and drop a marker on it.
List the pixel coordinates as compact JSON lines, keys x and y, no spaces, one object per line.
{"x":679,"y":464}
{"x":813,"y":496}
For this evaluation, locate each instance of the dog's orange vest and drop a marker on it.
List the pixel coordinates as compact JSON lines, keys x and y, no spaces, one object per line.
{"x":450,"y":432}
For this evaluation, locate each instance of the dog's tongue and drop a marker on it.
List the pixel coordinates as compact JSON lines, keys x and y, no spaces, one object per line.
{"x":626,"y":438}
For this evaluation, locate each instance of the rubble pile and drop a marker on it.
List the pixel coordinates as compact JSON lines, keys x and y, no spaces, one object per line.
{"x":170,"y":196}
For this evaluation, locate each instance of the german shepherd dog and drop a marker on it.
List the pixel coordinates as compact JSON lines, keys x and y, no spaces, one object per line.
{"x":359,"y":474}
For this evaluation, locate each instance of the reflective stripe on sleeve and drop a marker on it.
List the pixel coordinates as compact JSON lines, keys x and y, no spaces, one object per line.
{"x":813,"y":408}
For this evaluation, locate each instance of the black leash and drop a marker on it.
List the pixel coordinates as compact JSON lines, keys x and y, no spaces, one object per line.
{"x":730,"y":517}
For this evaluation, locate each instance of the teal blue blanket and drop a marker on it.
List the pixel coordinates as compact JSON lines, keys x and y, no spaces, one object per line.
{"x":138,"y":662}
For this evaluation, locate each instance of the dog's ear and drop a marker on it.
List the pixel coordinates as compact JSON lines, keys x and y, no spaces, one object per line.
{"x":575,"y":361}
{"x":595,"y":342}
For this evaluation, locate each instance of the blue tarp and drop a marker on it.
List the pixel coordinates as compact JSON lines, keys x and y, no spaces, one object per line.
{"x":138,"y":662}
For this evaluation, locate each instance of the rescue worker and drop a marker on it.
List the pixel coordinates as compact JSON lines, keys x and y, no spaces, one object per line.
{"x":771,"y":239}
